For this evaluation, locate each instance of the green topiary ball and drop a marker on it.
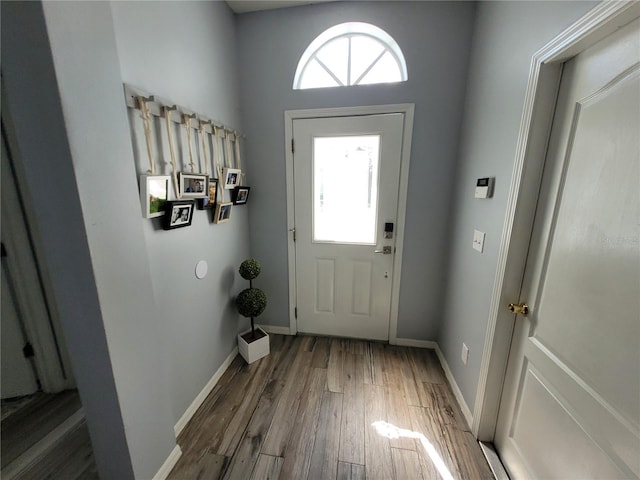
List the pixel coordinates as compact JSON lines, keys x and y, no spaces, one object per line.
{"x":251,"y":302}
{"x":249,"y":269}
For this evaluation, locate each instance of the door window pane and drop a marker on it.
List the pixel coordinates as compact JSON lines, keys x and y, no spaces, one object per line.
{"x":345,"y":188}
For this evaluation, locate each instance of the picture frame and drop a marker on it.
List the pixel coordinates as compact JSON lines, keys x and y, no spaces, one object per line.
{"x":193,"y":185}
{"x":223,"y":212}
{"x":154,"y":193}
{"x":240,"y":195}
{"x":178,"y":214}
{"x":231,"y":178}
{"x":210,"y":200}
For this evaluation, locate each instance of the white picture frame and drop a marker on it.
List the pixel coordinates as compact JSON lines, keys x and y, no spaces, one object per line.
{"x":222,"y":212}
{"x":154,"y":194}
{"x":231,"y":178}
{"x":193,"y":185}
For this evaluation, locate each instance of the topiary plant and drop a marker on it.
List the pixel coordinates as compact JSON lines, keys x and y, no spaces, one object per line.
{"x":251,"y":302}
{"x":250,"y":269}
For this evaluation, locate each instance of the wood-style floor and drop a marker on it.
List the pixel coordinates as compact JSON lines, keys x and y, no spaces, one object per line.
{"x":46,"y":436}
{"x":323,"y":408}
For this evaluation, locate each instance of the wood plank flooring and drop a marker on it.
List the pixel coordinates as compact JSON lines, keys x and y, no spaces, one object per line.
{"x":33,"y":421}
{"x":46,"y":436}
{"x":329,"y":408}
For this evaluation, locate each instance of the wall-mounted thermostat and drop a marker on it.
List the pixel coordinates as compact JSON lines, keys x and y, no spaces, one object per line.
{"x":484,"y":187}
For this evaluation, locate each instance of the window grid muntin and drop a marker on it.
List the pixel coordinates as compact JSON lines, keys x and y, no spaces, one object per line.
{"x":349,"y":36}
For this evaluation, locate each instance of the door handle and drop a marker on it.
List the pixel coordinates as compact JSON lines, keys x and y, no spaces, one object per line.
{"x":386,"y":250}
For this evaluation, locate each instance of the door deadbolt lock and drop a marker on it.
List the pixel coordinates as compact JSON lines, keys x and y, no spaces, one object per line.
{"x":519,"y":308}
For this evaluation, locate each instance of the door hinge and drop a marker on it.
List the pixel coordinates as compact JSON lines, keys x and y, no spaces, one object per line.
{"x":293,"y":146}
{"x":295,"y":312}
{"x":519,"y":308}
{"x":27,"y":351}
{"x":293,"y":231}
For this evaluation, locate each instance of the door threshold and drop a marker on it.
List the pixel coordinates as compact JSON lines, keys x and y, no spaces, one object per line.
{"x":489,"y":451}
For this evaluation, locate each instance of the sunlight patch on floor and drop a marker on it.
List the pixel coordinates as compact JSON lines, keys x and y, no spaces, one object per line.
{"x":391,"y":431}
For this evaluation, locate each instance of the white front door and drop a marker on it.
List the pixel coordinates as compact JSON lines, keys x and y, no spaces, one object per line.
{"x":571,"y":403}
{"x":346,"y":175}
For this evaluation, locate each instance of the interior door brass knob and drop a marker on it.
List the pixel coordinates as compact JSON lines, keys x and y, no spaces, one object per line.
{"x":519,"y":308}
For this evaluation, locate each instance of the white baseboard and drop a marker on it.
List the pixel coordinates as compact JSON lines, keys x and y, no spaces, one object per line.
{"x":275,"y":329}
{"x":168,"y":464}
{"x":454,"y":386}
{"x":191,"y":410}
{"x":407,"y":342}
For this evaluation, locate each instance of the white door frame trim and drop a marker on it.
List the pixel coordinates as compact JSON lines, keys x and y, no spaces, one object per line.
{"x":535,"y":126}
{"x":289,"y":116}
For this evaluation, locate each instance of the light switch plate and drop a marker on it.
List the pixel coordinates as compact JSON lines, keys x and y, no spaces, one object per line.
{"x":465,"y":353}
{"x":478,"y":240}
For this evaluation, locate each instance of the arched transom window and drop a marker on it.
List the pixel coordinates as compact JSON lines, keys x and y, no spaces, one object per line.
{"x":352,"y":53}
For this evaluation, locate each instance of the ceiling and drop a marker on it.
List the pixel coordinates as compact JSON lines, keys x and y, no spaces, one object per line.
{"x":244,"y":6}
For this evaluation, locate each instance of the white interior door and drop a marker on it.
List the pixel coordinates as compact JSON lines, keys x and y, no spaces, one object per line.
{"x":346,"y":175}
{"x":24,"y":302}
{"x":18,"y":377}
{"x":571,"y":403}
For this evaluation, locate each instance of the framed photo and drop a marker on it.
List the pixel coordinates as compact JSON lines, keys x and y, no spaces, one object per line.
{"x":193,"y":185}
{"x":240,"y":195}
{"x":154,"y":193}
{"x":231,"y":178}
{"x":223,"y":212}
{"x":178,"y":213}
{"x":210,"y":200}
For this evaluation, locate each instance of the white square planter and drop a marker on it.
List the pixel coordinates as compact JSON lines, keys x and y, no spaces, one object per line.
{"x":256,"y":349}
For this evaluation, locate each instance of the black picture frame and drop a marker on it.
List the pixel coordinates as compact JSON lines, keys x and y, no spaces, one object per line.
{"x":210,"y":201}
{"x":178,"y":214}
{"x":240,"y":195}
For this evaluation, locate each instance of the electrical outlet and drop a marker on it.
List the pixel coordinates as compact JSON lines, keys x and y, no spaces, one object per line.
{"x":465,"y":353}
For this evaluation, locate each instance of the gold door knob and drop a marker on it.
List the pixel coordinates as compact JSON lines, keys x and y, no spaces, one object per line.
{"x":519,"y":308}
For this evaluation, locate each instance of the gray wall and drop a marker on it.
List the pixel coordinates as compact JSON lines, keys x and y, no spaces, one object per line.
{"x":507,"y":35}
{"x":144,"y":334}
{"x":38,"y":141}
{"x":435,"y":38}
{"x":193,"y":64}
